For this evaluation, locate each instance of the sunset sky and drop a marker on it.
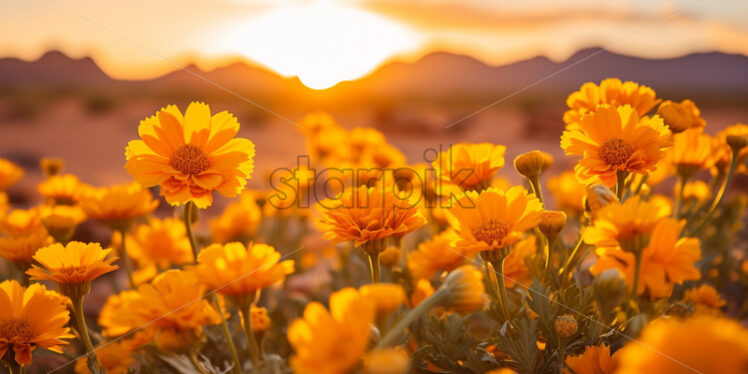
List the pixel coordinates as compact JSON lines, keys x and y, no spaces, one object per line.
{"x":324,"y":42}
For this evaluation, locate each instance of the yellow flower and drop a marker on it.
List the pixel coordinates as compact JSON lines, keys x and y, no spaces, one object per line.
{"x":705,"y":300}
{"x":21,"y":222}
{"x":470,"y":166}
{"x":422,"y":290}
{"x":625,"y":224}
{"x":75,"y":263}
{"x":160,"y":242}
{"x":568,"y":193}
{"x":515,"y":267}
{"x":116,"y":357}
{"x":666,"y":261}
{"x":702,"y":344}
{"x":610,"y":91}
{"x":117,"y":206}
{"x":681,"y":116}
{"x":61,"y":220}
{"x":436,"y":255}
{"x":615,"y":139}
{"x":594,"y":360}
{"x":386,"y":296}
{"x":332,"y":342}
{"x":23,"y":234}
{"x":260,"y":320}
{"x":239,"y":221}
{"x":387,"y":361}
{"x":723,"y":153}
{"x":691,"y":152}
{"x":64,"y":189}
{"x":369,"y":216}
{"x":190,"y":156}
{"x":696,"y":191}
{"x":10,"y":173}
{"x":238,"y":271}
{"x":493,"y":219}
{"x":31,"y":318}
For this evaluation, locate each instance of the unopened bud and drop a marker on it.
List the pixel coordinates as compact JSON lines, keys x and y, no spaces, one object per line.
{"x":533,"y":163}
{"x":566,"y":326}
{"x":51,"y":166}
{"x":552,"y":222}
{"x":390,"y":257}
{"x":675,"y":116}
{"x":609,"y":289}
{"x":737,"y":142}
{"x":464,"y":286}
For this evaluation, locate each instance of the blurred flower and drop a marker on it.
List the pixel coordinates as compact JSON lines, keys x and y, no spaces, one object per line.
{"x":422,"y":290}
{"x":696,"y":190}
{"x":21,"y":222}
{"x":552,"y":222}
{"x":723,"y":153}
{"x":332,"y":342}
{"x":515,"y":265}
{"x":260,"y":320}
{"x":239,"y":221}
{"x":594,"y":360}
{"x":61,"y":220}
{"x":239,"y":272}
{"x":390,"y":257}
{"x":494,"y":219}
{"x":568,"y":193}
{"x":160,"y":242}
{"x":465,"y":288}
{"x":74,"y":264}
{"x":190,"y":156}
{"x":31,"y":318}
{"x":615,"y":139}
{"x":626,"y":224}
{"x":666,"y":261}
{"x":610,"y":91}
{"x":51,"y":166}
{"x":566,"y":326}
{"x":705,"y":300}
{"x":64,"y":189}
{"x":701,"y":344}
{"x":116,"y":357}
{"x":533,"y":163}
{"x":4,"y":205}
{"x":681,"y":116}
{"x":691,"y":152}
{"x":436,"y":255}
{"x":22,"y":235}
{"x":117,"y":206}
{"x":470,"y":166}
{"x":10,"y":173}
{"x":386,"y":296}
{"x":387,"y":361}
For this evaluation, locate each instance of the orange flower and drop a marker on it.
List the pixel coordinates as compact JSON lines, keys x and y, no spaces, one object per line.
{"x":116,"y":357}
{"x":681,"y":116}
{"x":74,"y":263}
{"x":615,"y":139}
{"x":65,"y":189}
{"x":470,"y":166}
{"x":117,"y":206}
{"x":691,"y":152}
{"x":705,"y":300}
{"x":190,"y":156}
{"x":22,"y":235}
{"x":493,"y":219}
{"x":10,"y":173}
{"x":610,"y":91}
{"x":160,"y":242}
{"x":568,"y":193}
{"x":594,"y":360}
{"x":619,"y":224}
{"x":436,"y":255}
{"x":723,"y":153}
{"x":239,"y":220}
{"x":515,"y":267}
{"x":386,"y":296}
{"x":31,"y":318}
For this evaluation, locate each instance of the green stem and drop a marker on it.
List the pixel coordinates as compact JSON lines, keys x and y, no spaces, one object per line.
{"x":436,"y":299}
{"x":227,"y":334}
{"x":549,"y":258}
{"x":503,"y":299}
{"x":126,"y":259}
{"x":637,"y":270}
{"x":92,"y":361}
{"x":620,"y":184}
{"x":187,"y":217}
{"x":254,"y":349}
{"x":535,"y":183}
{"x":719,"y":196}
{"x":679,"y":197}
{"x":374,"y":267}
{"x":571,"y":261}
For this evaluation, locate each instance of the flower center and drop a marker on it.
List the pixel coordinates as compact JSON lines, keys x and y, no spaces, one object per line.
{"x":16,"y":330}
{"x":491,"y":231}
{"x":616,"y":151}
{"x":189,"y":159}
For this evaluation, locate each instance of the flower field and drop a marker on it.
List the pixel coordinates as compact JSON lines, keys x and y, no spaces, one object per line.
{"x":357,"y":260}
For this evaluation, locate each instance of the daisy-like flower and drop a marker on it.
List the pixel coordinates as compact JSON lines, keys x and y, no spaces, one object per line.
{"x":469,"y":166}
{"x":31,"y":318}
{"x":611,"y":91}
{"x":594,"y":360}
{"x":118,"y":206}
{"x":159,"y":242}
{"x":61,"y":220}
{"x":515,"y":267}
{"x":723,"y":153}
{"x":705,"y":300}
{"x":493,"y":218}
{"x":626,"y":225}
{"x":10,"y":173}
{"x":22,"y":235}
{"x":63,"y":189}
{"x":700,"y":345}
{"x":239,"y":221}
{"x":667,"y":260}
{"x":691,"y":152}
{"x":681,"y":116}
{"x":568,"y":193}
{"x":334,"y":341}
{"x":72,"y":265}
{"x":115,"y":356}
{"x":436,"y":255}
{"x":613,"y":140}
{"x":191,"y":155}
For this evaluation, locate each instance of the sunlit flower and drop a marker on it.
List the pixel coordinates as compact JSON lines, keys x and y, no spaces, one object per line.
{"x":386,"y":296}
{"x":701,"y":344}
{"x":61,"y":220}
{"x":696,"y":191}
{"x":705,"y":300}
{"x":723,"y":153}
{"x":239,"y":221}
{"x":465,"y":288}
{"x":494,"y":219}
{"x":681,"y":116}
{"x":117,"y":206}
{"x":65,"y":189}
{"x":610,"y":91}
{"x":75,"y":263}
{"x":332,"y":342}
{"x":239,"y":272}
{"x":160,"y":242}
{"x":594,"y":360}
{"x":422,"y":290}
{"x":22,"y":235}
{"x":691,"y":152}
{"x":31,"y":318}
{"x":666,"y":261}
{"x":260,"y":320}
{"x":625,"y":224}
{"x":10,"y":173}
{"x":21,"y":222}
{"x":469,"y":166}
{"x":369,"y":216}
{"x":568,"y":193}
{"x":515,"y":267}
{"x":116,"y":357}
{"x":190,"y":156}
{"x":436,"y":255}
{"x":387,"y":361}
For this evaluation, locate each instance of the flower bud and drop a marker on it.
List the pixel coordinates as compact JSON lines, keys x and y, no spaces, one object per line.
{"x":386,"y":296}
{"x":552,"y":222}
{"x":390,"y":257}
{"x":566,"y":326}
{"x":260,"y":320}
{"x":675,"y":116}
{"x":533,"y":163}
{"x":464,"y":286}
{"x":387,"y":361}
{"x":737,"y":142}
{"x":51,"y":166}
{"x":599,"y":196}
{"x":609,"y":289}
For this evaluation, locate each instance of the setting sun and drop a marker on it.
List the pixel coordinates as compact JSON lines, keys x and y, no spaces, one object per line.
{"x":321,"y":43}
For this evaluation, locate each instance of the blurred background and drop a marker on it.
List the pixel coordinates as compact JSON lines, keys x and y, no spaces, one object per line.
{"x":76,"y":77}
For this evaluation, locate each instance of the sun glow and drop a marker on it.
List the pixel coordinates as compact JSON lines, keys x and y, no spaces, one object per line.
{"x":322,"y":43}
